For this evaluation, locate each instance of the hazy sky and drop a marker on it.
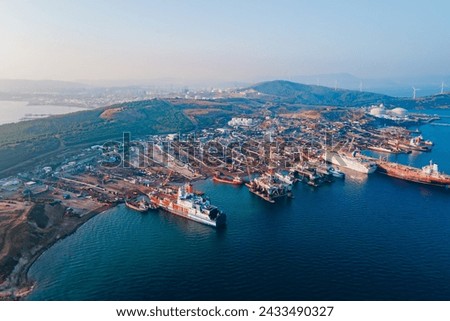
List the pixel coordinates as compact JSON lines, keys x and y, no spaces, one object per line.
{"x":222,"y":40}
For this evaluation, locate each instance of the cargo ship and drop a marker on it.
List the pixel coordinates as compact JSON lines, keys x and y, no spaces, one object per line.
{"x":353,"y":162}
{"x":222,"y":179}
{"x":428,"y":175}
{"x":187,"y":204}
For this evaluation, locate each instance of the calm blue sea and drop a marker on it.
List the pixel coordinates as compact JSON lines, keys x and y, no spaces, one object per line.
{"x":374,"y":238}
{"x":15,"y":111}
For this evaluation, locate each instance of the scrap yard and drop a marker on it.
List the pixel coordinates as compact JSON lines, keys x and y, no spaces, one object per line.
{"x":263,"y":152}
{"x":269,"y":153}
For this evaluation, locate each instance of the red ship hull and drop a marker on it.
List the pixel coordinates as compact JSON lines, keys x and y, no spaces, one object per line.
{"x":226,"y":181}
{"x":413,"y":174}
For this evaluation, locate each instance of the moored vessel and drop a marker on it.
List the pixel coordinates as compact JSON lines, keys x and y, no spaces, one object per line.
{"x":187,"y":204}
{"x":382,"y":149}
{"x":270,"y":186}
{"x":335,"y":172}
{"x":140,"y":206}
{"x":418,"y":144}
{"x":353,"y":162}
{"x":428,"y":175}
{"x":222,"y":179}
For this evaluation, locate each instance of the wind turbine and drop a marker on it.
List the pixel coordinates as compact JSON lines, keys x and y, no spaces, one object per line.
{"x":360,"y":86}
{"x":335,"y":85}
{"x":414,"y":91}
{"x":442,"y":87}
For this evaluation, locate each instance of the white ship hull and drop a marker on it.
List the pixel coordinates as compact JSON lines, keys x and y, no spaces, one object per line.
{"x":352,"y":163}
{"x":203,"y":220}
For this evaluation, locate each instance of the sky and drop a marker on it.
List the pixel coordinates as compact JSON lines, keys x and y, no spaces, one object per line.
{"x":222,"y":40}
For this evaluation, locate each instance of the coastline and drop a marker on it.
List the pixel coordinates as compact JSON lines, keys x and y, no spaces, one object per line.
{"x":18,"y":286}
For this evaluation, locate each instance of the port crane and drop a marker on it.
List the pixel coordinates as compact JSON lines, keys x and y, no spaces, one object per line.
{"x":248,"y":169}
{"x":164,"y":183}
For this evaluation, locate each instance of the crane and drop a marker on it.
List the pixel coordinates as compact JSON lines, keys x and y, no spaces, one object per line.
{"x":167,"y":179}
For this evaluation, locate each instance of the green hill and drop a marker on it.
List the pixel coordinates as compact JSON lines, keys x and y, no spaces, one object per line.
{"x":25,"y":141}
{"x":23,"y":144}
{"x":295,"y":93}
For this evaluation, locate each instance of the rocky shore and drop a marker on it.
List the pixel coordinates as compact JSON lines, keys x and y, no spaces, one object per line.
{"x":26,"y":231}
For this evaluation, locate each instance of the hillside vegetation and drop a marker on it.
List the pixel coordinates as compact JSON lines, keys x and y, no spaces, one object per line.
{"x":291,"y":92}
{"x":22,"y":144}
{"x":25,"y":140}
{"x":282,"y":91}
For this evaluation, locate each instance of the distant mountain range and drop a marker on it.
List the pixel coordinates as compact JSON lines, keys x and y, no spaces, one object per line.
{"x":396,"y":86}
{"x":39,"y":86}
{"x":295,"y":93}
{"x":283,"y":91}
{"x":23,"y":143}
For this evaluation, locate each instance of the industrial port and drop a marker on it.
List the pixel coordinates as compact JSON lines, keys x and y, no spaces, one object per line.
{"x":264,"y":152}
{"x":269,"y":153}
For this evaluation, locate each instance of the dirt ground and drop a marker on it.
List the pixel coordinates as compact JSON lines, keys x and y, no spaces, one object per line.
{"x":27,"y":229}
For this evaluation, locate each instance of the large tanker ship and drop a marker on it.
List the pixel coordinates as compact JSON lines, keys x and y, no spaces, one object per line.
{"x":187,"y":204}
{"x":429,"y":174}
